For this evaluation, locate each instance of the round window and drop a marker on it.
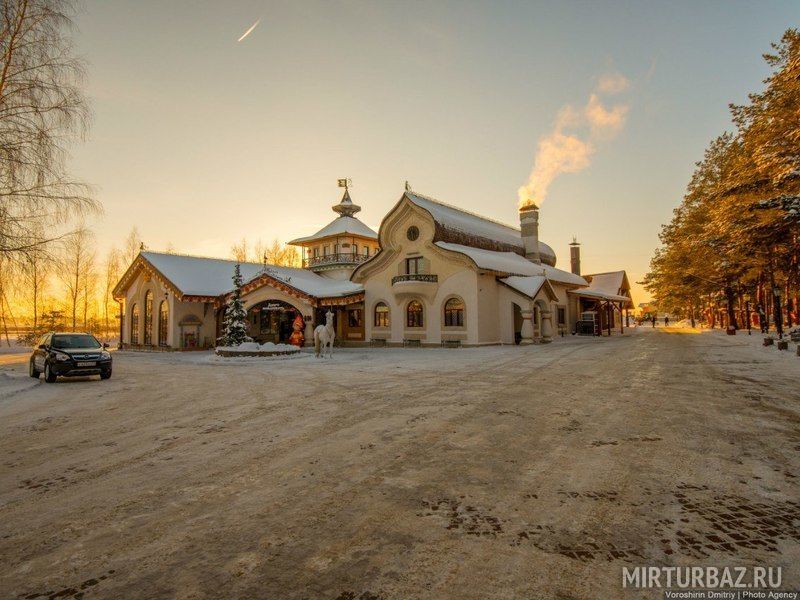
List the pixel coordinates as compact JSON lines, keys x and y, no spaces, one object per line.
{"x":412,"y":233}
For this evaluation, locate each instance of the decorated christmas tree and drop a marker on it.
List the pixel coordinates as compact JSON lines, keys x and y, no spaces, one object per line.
{"x":236,"y":315}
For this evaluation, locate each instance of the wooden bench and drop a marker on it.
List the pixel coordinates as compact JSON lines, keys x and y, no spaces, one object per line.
{"x":412,"y":343}
{"x":451,"y":343}
{"x":378,"y":343}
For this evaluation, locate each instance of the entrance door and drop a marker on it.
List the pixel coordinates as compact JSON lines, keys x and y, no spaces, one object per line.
{"x":517,"y":322}
{"x":271,"y":321}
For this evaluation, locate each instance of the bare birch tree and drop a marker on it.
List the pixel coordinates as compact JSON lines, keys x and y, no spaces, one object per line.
{"x":34,"y":270}
{"x":282,"y":255}
{"x":239,"y":251}
{"x":131,"y":247}
{"x":76,"y":256}
{"x":274,"y":254}
{"x":112,"y":274}
{"x":42,"y":108}
{"x":88,"y":281}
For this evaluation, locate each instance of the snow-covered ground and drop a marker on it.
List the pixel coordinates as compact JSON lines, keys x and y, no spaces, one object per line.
{"x":497,"y":472}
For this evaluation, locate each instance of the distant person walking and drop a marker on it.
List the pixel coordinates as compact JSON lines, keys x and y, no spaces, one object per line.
{"x":666,"y":321}
{"x":654,"y":319}
{"x":762,"y":319}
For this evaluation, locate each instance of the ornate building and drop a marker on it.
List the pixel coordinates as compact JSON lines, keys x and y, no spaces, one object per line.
{"x":433,"y":275}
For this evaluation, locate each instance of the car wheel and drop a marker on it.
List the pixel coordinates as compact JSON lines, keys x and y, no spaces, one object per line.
{"x":49,"y":376}
{"x":32,"y":370}
{"x":105,"y":374}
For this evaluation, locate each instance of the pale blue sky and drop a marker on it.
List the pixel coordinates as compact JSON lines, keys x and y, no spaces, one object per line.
{"x":199,"y":140}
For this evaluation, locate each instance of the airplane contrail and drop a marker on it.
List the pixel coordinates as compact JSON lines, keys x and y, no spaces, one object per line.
{"x":249,"y":31}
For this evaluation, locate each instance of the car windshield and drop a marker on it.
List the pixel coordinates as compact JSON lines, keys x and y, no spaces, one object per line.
{"x":75,"y":341}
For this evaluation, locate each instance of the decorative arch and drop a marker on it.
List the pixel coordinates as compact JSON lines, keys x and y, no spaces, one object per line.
{"x":163,"y":322}
{"x":148,"y":318}
{"x":454,"y":309}
{"x":415,"y":314}
{"x":135,"y":324}
{"x":381,"y":314}
{"x":271,"y":320}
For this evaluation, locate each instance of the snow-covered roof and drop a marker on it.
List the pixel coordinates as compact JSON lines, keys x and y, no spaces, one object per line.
{"x":467,"y":222}
{"x":529,"y":286}
{"x":344,"y":225}
{"x":607,"y":286}
{"x":471,"y":224}
{"x":589,"y":293}
{"x":607,"y":283}
{"x":513,"y":263}
{"x":311,"y":283}
{"x":199,"y":276}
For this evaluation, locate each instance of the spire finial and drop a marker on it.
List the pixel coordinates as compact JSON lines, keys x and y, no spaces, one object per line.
{"x":346,"y":207}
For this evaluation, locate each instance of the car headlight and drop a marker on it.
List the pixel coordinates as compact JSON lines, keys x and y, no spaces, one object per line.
{"x":105,"y":355}
{"x":61,"y":356}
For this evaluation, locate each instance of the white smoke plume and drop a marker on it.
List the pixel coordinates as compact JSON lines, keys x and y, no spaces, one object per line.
{"x":568,"y":148}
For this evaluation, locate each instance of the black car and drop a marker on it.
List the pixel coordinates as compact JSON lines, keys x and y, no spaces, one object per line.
{"x":69,"y":355}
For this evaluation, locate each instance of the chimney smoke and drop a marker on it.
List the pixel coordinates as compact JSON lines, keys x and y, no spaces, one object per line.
{"x":575,"y":256}
{"x":529,"y":224}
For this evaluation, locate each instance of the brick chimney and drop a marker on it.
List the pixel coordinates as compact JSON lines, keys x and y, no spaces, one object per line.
{"x":575,"y":256}
{"x":529,"y":224}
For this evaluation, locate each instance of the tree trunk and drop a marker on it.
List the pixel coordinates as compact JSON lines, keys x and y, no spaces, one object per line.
{"x":729,"y":300}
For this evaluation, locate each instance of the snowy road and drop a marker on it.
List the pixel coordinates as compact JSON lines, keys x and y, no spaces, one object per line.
{"x":474,"y":473}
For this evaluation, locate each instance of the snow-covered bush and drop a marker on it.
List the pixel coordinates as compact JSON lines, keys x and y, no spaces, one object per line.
{"x":256,"y":347}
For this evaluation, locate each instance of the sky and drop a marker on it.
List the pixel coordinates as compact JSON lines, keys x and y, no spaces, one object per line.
{"x":199,"y":140}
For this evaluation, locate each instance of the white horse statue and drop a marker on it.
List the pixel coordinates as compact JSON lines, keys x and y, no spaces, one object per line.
{"x":324,"y":336}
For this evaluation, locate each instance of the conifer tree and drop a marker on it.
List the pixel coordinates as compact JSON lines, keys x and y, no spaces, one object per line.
{"x":236,"y":315}
{"x":735,"y":238}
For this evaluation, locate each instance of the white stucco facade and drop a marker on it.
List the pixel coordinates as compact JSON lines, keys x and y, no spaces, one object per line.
{"x":434,"y":275}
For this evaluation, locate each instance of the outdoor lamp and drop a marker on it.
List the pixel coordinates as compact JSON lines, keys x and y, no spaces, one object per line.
{"x":747,"y":297}
{"x":777,"y":291}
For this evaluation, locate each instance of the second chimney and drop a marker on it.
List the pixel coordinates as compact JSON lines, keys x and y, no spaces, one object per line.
{"x":575,"y":256}
{"x":529,"y":224}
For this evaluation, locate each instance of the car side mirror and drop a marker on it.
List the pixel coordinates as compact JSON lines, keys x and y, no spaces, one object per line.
{"x":105,"y":345}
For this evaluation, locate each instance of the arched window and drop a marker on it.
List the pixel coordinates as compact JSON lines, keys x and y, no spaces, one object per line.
{"x":454,"y":313}
{"x":414,"y":314}
{"x":135,"y":324}
{"x":381,"y":315}
{"x":163,"y":322}
{"x":148,"y":318}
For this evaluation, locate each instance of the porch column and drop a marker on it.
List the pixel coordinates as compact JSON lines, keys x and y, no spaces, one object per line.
{"x":547,"y":324}
{"x":526,"y":331}
{"x":121,"y":324}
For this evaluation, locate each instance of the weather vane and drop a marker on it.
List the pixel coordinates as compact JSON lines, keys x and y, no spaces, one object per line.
{"x":345,"y":183}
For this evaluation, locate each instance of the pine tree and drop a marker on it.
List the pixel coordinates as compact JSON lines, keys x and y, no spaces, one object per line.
{"x":236,"y":315}
{"x":736,"y":235}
